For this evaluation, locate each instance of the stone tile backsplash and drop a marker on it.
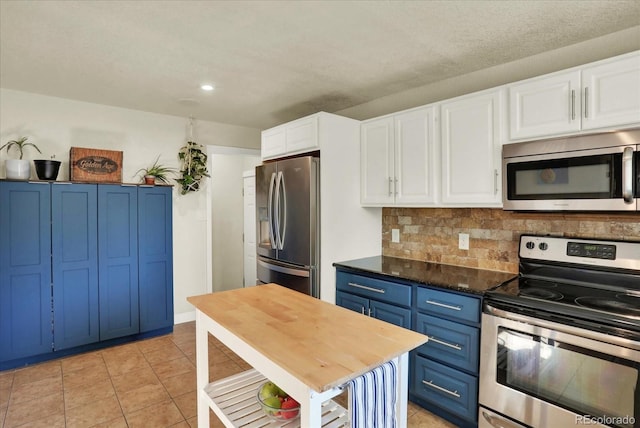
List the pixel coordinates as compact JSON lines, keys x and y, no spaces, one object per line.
{"x":431,"y":234}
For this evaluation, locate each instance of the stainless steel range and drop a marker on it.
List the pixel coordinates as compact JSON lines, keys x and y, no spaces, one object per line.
{"x":560,"y":344}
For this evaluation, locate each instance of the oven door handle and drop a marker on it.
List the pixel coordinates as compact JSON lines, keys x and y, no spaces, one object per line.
{"x":498,"y":422}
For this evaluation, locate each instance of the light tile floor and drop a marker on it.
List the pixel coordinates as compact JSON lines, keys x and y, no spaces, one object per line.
{"x":150,"y":384}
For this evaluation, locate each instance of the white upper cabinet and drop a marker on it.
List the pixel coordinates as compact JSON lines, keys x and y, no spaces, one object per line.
{"x":545,"y":106}
{"x":603,"y":96}
{"x":399,"y":159}
{"x":294,"y":137}
{"x":471,"y":130}
{"x":611,"y":93}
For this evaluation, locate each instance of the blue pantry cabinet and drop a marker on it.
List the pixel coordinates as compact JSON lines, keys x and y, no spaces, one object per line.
{"x":74,"y":257}
{"x":82,"y":266}
{"x":155,"y":258}
{"x":25,"y":270}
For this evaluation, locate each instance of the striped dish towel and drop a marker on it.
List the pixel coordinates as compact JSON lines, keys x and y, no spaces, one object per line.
{"x":373,"y":398}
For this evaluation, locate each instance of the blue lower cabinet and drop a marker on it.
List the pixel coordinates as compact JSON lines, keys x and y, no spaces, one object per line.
{"x":391,"y":314}
{"x":118,"y":260}
{"x":74,"y":254}
{"x":446,"y":388}
{"x":155,"y":257}
{"x":452,"y":343}
{"x":25,"y":270}
{"x":352,"y":302}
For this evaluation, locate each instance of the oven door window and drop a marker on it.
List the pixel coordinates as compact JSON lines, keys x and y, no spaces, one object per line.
{"x":577,"y":379}
{"x":585,"y":177}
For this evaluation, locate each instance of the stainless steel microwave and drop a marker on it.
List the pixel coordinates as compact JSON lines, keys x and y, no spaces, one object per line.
{"x":597,"y":172}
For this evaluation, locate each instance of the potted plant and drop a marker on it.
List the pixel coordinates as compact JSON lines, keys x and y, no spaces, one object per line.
{"x":194,"y":167}
{"x":156,"y":172}
{"x":47,"y":169}
{"x":18,"y":169}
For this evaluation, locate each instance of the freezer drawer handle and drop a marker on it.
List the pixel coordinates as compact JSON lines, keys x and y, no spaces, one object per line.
{"x":439,"y":388}
{"x":455,"y":308}
{"x":282,"y":269}
{"x":456,"y":347}
{"x":364,"y":287}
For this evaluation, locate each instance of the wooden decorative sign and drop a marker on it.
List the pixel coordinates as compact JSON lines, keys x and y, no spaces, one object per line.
{"x":95,"y":165}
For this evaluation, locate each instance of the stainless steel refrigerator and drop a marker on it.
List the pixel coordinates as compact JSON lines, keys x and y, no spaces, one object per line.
{"x":288,"y":223}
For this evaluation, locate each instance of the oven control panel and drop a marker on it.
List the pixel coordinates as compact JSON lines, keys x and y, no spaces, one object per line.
{"x":594,"y":252}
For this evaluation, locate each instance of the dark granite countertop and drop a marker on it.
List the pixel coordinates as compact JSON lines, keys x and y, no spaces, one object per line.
{"x":457,"y":278}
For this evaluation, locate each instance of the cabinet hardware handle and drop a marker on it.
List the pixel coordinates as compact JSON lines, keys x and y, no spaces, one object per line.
{"x":369,"y":312}
{"x":128,"y":185}
{"x":455,"y":308}
{"x":362,"y":310}
{"x":456,"y":347}
{"x":364,"y":287}
{"x":627,"y":175}
{"x":573,"y":104}
{"x":495,"y":181}
{"x":390,"y":188}
{"x":586,"y":102}
{"x":41,"y":182}
{"x":439,"y":388}
{"x":395,"y":186}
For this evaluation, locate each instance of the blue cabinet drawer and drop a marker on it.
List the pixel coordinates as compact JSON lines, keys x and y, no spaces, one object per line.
{"x":450,"y":305}
{"x":390,"y":292}
{"x":449,"y":342}
{"x":445,"y":387}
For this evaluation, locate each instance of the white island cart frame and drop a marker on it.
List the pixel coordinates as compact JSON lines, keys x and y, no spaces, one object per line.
{"x":233,"y":399}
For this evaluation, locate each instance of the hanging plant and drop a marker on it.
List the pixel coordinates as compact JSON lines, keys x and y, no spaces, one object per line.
{"x":194,"y":167}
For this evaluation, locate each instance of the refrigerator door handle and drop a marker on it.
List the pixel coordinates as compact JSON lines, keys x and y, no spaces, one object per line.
{"x":282,"y":269}
{"x":282,"y":216}
{"x":270,"y":211}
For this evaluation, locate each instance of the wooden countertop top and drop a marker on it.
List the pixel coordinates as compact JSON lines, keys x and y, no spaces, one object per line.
{"x":321,"y":344}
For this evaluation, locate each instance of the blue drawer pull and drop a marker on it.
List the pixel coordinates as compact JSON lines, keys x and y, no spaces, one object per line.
{"x":364,"y":287}
{"x":439,"y":388}
{"x":455,"y":308}
{"x":456,"y":347}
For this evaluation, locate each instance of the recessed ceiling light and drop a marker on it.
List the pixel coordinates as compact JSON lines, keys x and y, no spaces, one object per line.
{"x":207,"y":87}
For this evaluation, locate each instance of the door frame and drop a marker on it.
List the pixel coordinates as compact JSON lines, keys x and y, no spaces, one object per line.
{"x":211,"y":152}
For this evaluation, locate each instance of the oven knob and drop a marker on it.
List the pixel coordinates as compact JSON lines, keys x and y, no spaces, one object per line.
{"x":543,"y":246}
{"x":530,"y":245}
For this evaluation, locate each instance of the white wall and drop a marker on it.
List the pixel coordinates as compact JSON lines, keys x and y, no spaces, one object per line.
{"x":56,"y":124}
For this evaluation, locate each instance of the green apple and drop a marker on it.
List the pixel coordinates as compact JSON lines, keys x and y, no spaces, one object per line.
{"x":269,"y":389}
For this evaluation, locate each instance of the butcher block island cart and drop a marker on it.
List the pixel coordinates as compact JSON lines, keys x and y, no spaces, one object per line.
{"x":309,"y":348}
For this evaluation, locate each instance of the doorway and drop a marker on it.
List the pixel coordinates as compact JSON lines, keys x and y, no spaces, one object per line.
{"x":225,"y":208}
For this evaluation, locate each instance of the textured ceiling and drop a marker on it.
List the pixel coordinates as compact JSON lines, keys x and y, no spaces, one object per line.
{"x":274,"y":61}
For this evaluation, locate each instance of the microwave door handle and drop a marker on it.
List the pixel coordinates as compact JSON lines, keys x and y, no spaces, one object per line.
{"x":627,"y":174}
{"x":270,"y":211}
{"x":282,"y":228}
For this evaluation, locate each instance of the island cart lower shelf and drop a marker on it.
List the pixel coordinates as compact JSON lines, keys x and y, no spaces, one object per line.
{"x":233,"y":399}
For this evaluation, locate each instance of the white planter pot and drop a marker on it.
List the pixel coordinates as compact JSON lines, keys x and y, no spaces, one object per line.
{"x":18,"y":169}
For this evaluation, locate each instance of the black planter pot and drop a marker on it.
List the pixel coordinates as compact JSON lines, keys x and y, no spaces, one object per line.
{"x":47,"y":169}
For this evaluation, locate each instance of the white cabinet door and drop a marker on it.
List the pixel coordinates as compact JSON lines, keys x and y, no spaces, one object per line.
{"x":611,"y":93}
{"x":302,"y":134}
{"x":273,"y":142}
{"x":416,"y":170}
{"x":545,"y":106}
{"x":376,"y":163}
{"x":471,"y":144}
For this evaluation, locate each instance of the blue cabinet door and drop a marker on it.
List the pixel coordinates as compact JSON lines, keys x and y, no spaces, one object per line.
{"x":155,"y":257}
{"x":352,"y":302}
{"x":118,"y":260}
{"x":75,"y":264}
{"x":391,"y":314}
{"x":25,"y":269}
